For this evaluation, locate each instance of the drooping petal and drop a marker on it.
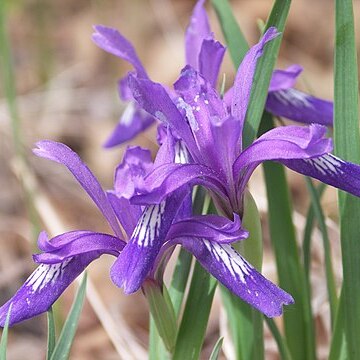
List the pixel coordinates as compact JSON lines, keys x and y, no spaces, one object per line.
{"x":129,"y":175}
{"x":284,"y":78}
{"x":285,"y":142}
{"x":133,"y":121}
{"x":210,"y":59}
{"x":43,"y":287}
{"x":74,"y":243}
{"x":298,"y":106}
{"x":235,"y":273}
{"x":196,"y":32}
{"x":154,"y":99}
{"x":330,"y":170}
{"x":62,"y":154}
{"x":210,"y":227}
{"x":139,"y":255}
{"x":113,"y":42}
{"x":167,"y":178}
{"x":245,"y":74}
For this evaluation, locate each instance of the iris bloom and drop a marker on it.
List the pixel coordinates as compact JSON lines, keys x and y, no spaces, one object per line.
{"x":205,"y":55}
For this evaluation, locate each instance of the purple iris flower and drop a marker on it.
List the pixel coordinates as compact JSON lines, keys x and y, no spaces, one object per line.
{"x":205,"y":55}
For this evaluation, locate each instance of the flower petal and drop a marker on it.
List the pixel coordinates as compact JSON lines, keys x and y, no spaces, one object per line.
{"x":298,"y":106}
{"x":210,"y":59}
{"x":330,"y":170}
{"x":284,"y":78}
{"x":139,"y":255}
{"x":210,"y":227}
{"x":196,"y":32}
{"x":244,"y":77}
{"x":43,"y":287}
{"x":167,"y":178}
{"x":113,"y":42}
{"x":73,"y":243}
{"x":62,"y":154}
{"x":235,"y":273}
{"x":133,"y":121}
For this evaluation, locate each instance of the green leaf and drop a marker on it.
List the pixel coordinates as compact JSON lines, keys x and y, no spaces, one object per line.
{"x":4,"y":336}
{"x":264,"y":71}
{"x":191,"y":333}
{"x":66,"y":338}
{"x":234,"y":37}
{"x":330,"y":280}
{"x":283,"y":349}
{"x":216,"y":350}
{"x":51,"y":333}
{"x":299,"y":327}
{"x":157,"y":349}
{"x":347,"y":146}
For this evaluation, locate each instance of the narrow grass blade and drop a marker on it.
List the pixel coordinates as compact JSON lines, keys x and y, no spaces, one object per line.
{"x":309,"y":226}
{"x":347,"y":146}
{"x":4,"y":336}
{"x":299,"y":327}
{"x":51,"y":341}
{"x":282,"y":346}
{"x":66,"y":338}
{"x":191,"y":335}
{"x":216,"y":350}
{"x":234,"y":37}
{"x":157,"y":349}
{"x":330,"y":279}
{"x":264,"y":71}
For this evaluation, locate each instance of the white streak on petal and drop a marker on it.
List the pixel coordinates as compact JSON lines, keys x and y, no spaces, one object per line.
{"x":293,"y":96}
{"x":127,"y":116}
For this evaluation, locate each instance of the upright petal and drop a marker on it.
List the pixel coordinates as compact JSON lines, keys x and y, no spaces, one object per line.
{"x":298,"y":106}
{"x":210,"y":227}
{"x":284,"y":78}
{"x":138,"y":257}
{"x":244,"y":77}
{"x":132,"y":122}
{"x":330,"y":170}
{"x":196,"y":32}
{"x":62,"y":154}
{"x":113,"y":42}
{"x":210,"y":59}
{"x":235,"y":273}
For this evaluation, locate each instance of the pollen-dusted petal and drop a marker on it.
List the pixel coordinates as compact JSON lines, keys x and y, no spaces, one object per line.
{"x":196,"y":32}
{"x":43,"y":288}
{"x":210,"y":227}
{"x":62,"y":154}
{"x":112,"y":41}
{"x":298,"y":106}
{"x":132,"y":122}
{"x":330,"y":170}
{"x":234,"y":272}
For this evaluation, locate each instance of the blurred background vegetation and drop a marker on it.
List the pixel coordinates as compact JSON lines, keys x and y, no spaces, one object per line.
{"x":67,"y":91}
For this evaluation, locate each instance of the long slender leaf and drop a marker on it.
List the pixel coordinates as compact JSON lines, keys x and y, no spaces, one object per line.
{"x":282,"y":346}
{"x":4,"y":336}
{"x":234,"y":37}
{"x":347,"y":146}
{"x":216,"y":350}
{"x":51,"y":341}
{"x":264,"y":71}
{"x":299,"y":327}
{"x":66,"y":338}
{"x":330,"y":279}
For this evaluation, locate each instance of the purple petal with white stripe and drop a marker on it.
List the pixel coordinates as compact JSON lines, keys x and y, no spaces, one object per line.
{"x":62,"y":154}
{"x":197,"y":31}
{"x":235,"y":273}
{"x":133,"y":121}
{"x":112,"y":41}
{"x":139,"y":255}
{"x":330,"y":170}
{"x":210,"y":227}
{"x":299,"y":106}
